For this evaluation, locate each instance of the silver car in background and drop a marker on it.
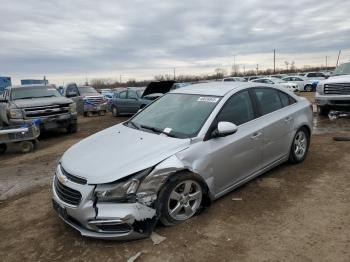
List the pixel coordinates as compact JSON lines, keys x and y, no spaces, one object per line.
{"x":304,"y":83}
{"x":181,"y":152}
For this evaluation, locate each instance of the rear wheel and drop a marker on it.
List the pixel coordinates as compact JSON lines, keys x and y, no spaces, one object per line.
{"x":181,"y":199}
{"x":323,"y":110}
{"x":115,"y":111}
{"x":300,"y":146}
{"x":101,"y":113}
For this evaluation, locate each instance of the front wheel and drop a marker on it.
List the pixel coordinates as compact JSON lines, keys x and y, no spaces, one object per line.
{"x":72,"y":128}
{"x":308,"y":88}
{"x":181,"y":199}
{"x":323,"y":110}
{"x":300,"y":146}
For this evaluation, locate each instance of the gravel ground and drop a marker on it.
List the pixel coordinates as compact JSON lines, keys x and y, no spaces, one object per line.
{"x":292,"y":213}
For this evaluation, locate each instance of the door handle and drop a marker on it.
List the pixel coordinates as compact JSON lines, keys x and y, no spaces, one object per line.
{"x":288,"y":119}
{"x":256,"y":135}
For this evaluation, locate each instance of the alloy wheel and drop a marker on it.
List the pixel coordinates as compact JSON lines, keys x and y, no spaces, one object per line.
{"x":184,"y":200}
{"x":300,"y":144}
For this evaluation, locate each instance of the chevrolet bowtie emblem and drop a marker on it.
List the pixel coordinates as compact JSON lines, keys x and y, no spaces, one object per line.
{"x":62,"y":178}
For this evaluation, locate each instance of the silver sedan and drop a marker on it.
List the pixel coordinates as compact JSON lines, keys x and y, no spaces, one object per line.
{"x":178,"y":155}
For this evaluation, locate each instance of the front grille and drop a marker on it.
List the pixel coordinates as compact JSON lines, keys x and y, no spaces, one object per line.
{"x":337,"y":89}
{"x":75,"y":179}
{"x":94,"y":100}
{"x":42,"y":111}
{"x":67,"y":194}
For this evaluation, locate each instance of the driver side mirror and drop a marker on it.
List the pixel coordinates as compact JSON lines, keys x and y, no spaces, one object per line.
{"x":224,"y":129}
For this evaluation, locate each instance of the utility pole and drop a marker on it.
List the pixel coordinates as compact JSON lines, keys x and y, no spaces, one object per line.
{"x":338,"y":58}
{"x":274,"y":61}
{"x":120,"y":78}
{"x":174,"y":73}
{"x":244,"y":70}
{"x":257,"y":69}
{"x":326,"y":62}
{"x":234,"y":65}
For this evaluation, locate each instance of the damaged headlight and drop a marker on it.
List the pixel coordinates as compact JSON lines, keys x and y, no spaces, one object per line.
{"x":123,"y":190}
{"x":73,"y":108}
{"x":149,"y":187}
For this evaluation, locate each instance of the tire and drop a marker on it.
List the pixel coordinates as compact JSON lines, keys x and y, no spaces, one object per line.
{"x":89,"y":114}
{"x":181,"y":198}
{"x":26,"y":146}
{"x":72,"y":128}
{"x":323,"y":110}
{"x":3,"y":148}
{"x":308,"y":88}
{"x":101,"y":113}
{"x":115,"y":112}
{"x":300,"y":146}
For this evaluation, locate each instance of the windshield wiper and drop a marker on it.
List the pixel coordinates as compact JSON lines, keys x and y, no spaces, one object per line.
{"x":133,"y":124}
{"x":157,"y":130}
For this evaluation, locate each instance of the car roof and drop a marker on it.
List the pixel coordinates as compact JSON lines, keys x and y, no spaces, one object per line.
{"x":213,"y":88}
{"x":25,"y":86}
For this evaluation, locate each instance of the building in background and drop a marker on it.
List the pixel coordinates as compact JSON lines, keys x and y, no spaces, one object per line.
{"x":4,"y":82}
{"x":34,"y":82}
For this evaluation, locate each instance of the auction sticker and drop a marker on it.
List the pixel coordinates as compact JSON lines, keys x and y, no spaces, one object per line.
{"x":167,"y":130}
{"x":208,"y":99}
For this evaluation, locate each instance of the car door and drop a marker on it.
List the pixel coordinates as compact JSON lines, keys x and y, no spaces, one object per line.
{"x":237,"y":156}
{"x":133,"y":103}
{"x":121,"y":102}
{"x":277,"y":124}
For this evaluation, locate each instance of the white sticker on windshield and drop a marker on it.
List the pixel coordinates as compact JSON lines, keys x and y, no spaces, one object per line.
{"x":208,"y":99}
{"x":167,"y":130}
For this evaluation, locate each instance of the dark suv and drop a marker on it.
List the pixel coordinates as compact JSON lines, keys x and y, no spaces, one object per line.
{"x":23,"y":104}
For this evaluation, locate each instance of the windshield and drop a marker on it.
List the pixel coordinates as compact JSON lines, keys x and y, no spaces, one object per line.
{"x":178,"y":115}
{"x":343,"y":69}
{"x":29,"y":92}
{"x":86,"y":90}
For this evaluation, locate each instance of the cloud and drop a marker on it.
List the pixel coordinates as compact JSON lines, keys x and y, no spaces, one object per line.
{"x":95,"y":37}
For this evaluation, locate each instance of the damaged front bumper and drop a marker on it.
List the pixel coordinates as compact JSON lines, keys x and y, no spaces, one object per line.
{"x":105,"y":220}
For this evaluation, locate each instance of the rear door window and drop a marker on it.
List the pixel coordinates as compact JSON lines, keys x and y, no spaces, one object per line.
{"x":122,"y":95}
{"x":268,"y":100}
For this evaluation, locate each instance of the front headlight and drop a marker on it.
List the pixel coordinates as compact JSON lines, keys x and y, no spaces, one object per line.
{"x":319,"y":88}
{"x":15,"y":113}
{"x":72,"y":108}
{"x":123,"y":190}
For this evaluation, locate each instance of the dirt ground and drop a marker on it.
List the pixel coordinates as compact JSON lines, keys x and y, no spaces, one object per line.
{"x":292,"y":213}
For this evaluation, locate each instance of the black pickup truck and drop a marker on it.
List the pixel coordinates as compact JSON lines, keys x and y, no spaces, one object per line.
{"x":22,"y":104}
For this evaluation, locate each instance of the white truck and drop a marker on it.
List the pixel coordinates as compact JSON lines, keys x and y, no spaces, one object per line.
{"x":334,"y":92}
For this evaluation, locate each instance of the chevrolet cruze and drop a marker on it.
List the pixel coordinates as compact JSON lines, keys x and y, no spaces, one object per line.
{"x":181,"y":152}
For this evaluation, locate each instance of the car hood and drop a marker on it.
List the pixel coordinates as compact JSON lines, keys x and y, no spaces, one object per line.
{"x":42,"y":101}
{"x":117,"y":152}
{"x":158,"y":87}
{"x":337,"y":79}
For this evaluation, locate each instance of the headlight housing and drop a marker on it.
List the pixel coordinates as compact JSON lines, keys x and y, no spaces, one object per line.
{"x":123,"y":190}
{"x":15,"y":113}
{"x":319,"y":88}
{"x":72,"y":108}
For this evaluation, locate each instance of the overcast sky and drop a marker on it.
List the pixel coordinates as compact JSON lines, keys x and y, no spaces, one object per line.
{"x":69,"y":39}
